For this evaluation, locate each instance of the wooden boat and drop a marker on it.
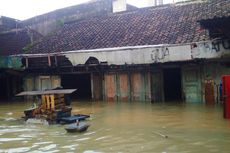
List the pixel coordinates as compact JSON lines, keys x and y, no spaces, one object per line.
{"x":73,"y":119}
{"x":74,"y":127}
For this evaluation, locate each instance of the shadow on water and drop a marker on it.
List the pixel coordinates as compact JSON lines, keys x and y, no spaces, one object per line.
{"x":121,"y":127}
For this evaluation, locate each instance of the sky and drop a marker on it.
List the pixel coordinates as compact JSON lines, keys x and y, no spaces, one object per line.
{"x":24,"y":9}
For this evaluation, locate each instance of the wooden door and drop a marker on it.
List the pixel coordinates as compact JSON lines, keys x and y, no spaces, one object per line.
{"x":123,"y":87}
{"x":110,"y":87}
{"x":96,"y":86}
{"x":156,"y":87}
{"x":209,"y":91}
{"x":192,"y":84}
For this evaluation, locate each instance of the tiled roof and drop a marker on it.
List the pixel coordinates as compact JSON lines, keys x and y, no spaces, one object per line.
{"x":168,"y":24}
{"x":7,"y":23}
{"x":16,"y":41}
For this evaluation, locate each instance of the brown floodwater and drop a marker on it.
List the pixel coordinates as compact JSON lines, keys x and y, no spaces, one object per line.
{"x":121,"y":128}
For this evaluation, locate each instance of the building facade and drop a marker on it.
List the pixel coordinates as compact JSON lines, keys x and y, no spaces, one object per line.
{"x":164,"y":53}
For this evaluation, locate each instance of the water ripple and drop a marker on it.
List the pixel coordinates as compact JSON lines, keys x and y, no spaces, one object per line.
{"x":11,"y":139}
{"x":16,"y":150}
{"x":48,"y":148}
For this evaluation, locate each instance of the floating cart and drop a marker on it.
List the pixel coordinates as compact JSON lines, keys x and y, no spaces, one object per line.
{"x":53,"y":106}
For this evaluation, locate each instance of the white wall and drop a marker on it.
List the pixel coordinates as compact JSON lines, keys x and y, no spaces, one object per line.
{"x":119,"y":5}
{"x":153,"y":54}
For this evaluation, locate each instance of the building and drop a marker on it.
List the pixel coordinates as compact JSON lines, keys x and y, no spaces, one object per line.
{"x":13,"y":40}
{"x":174,"y":52}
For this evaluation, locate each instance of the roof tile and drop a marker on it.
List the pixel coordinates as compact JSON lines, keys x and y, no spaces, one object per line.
{"x":169,"y":24}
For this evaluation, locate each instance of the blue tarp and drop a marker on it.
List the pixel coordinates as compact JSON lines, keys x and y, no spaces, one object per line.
{"x":10,"y":62}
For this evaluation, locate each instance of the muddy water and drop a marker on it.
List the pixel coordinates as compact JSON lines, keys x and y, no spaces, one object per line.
{"x":121,"y":128}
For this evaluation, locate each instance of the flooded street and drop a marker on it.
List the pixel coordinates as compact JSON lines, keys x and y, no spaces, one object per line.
{"x":121,"y":128}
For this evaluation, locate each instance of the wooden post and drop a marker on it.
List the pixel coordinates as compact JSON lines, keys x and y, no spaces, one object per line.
{"x":49,"y":61}
{"x":56,"y":62}
{"x":52,"y":102}
{"x":44,"y":101}
{"x":47,"y":101}
{"x":27,"y":62}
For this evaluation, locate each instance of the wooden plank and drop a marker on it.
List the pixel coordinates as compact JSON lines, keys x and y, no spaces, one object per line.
{"x":52,"y":102}
{"x":110,"y":87}
{"x":136,"y":86}
{"x":47,"y":101}
{"x":124,"y":87}
{"x":209,"y":91}
{"x":46,"y":92}
{"x":192,"y":84}
{"x":97,"y":90}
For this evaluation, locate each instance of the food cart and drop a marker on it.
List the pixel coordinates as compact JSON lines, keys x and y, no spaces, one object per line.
{"x":52,"y":107}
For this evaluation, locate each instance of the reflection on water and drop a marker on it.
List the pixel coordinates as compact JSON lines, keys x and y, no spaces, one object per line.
{"x":121,"y":128}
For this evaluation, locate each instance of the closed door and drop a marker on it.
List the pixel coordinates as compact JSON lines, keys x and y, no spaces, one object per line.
{"x":192,"y":84}
{"x":123,"y":87}
{"x":110,"y":87}
{"x":45,"y":84}
{"x":156,"y":87}
{"x":226,"y":95}
{"x":209,"y":91}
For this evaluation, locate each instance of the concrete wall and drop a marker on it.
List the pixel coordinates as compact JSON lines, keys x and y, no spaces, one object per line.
{"x":153,"y":54}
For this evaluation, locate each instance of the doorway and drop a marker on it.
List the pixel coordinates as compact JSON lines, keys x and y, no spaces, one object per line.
{"x":3,"y":89}
{"x":81,"y":82}
{"x":172,"y":84}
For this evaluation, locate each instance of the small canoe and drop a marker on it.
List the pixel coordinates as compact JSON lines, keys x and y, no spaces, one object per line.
{"x":81,"y":127}
{"x":73,"y":119}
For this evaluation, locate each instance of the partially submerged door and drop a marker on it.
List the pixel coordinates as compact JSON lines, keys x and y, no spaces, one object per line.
{"x":192,"y":84}
{"x":96,"y":86}
{"x":226,"y":95}
{"x":110,"y":87}
{"x":123,"y":87}
{"x":156,"y":87}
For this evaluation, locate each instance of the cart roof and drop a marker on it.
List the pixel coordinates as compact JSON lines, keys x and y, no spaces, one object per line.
{"x":46,"y":92}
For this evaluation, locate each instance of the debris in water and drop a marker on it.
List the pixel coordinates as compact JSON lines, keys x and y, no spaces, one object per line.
{"x":157,"y":133}
{"x":10,"y":113}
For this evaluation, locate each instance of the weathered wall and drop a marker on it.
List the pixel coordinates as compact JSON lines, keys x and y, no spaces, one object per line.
{"x":41,"y":82}
{"x":153,"y":54}
{"x":215,"y":70}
